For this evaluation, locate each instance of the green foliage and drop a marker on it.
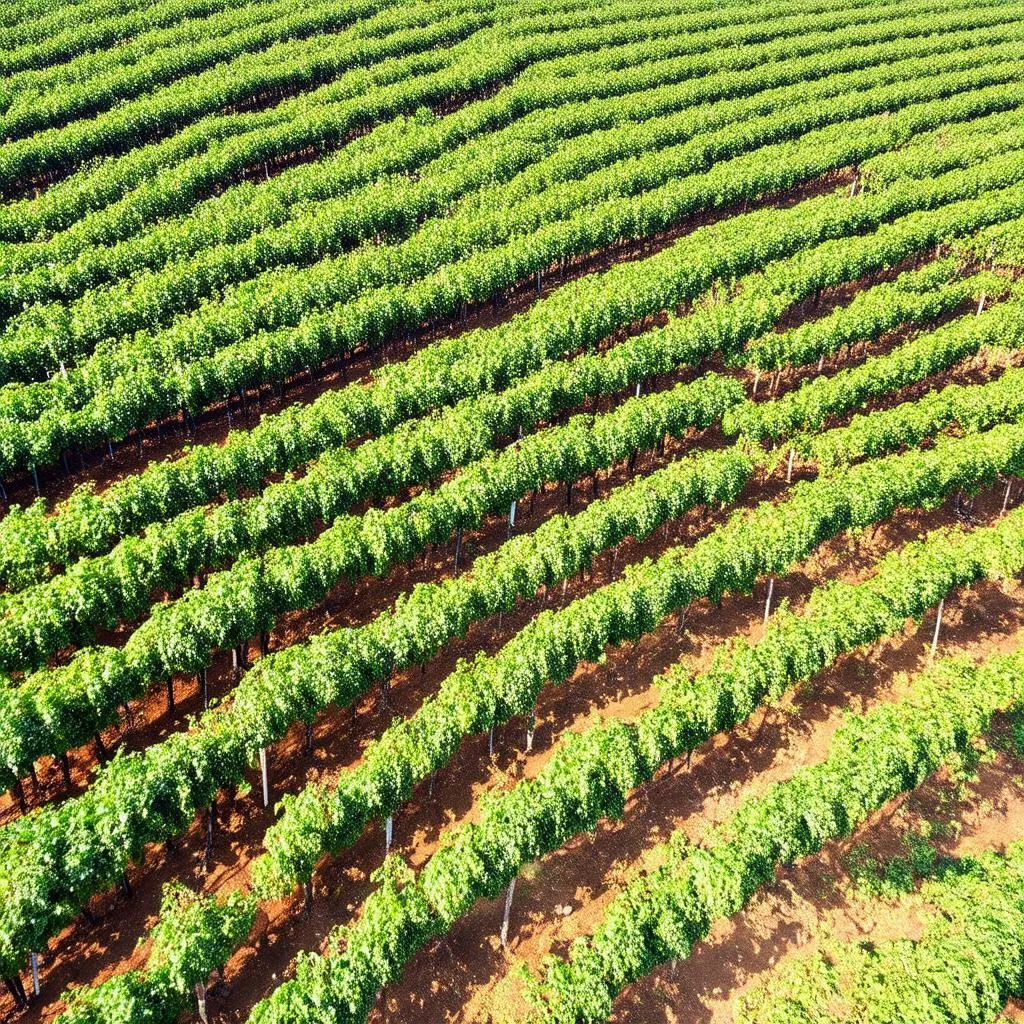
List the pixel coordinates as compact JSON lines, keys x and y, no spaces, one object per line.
{"x":962,"y":969}
{"x":153,"y":796}
{"x":539,"y":157}
{"x":485,"y":360}
{"x":221,"y":69}
{"x":895,"y":876}
{"x":810,"y":406}
{"x":1010,"y":738}
{"x":194,"y":936}
{"x":872,"y":758}
{"x":590,"y":775}
{"x":55,"y":710}
{"x":132,"y":290}
{"x":932,"y":152}
{"x":113,"y":191}
{"x":244,"y":345}
{"x":142,"y":798}
{"x":916,"y":296}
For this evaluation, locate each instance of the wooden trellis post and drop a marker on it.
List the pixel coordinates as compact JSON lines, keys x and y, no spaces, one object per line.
{"x":768,"y":600}
{"x":938,"y":626}
{"x":508,"y":910}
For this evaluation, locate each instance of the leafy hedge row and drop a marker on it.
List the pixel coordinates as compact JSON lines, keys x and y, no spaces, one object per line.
{"x":872,"y":758}
{"x":474,"y":58}
{"x":490,"y":690}
{"x":38,"y":34}
{"x":115,"y":391}
{"x":57,"y":710}
{"x":809,"y":407}
{"x":153,"y":795}
{"x":448,"y":165}
{"x":572,"y":317}
{"x":41,"y":620}
{"x":963,"y":968}
{"x":620,"y":162}
{"x":974,"y":407}
{"x":195,"y":61}
{"x":591,"y":775}
{"x":916,"y":296}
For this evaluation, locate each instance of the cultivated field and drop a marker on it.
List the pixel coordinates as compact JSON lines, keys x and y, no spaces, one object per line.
{"x":512,"y":511}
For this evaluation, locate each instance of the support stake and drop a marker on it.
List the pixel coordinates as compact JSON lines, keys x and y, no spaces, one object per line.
{"x":938,"y":626}
{"x":266,"y":781}
{"x":201,"y":1001}
{"x":210,"y":821}
{"x":508,"y":910}
{"x":768,"y":601}
{"x":17,"y":990}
